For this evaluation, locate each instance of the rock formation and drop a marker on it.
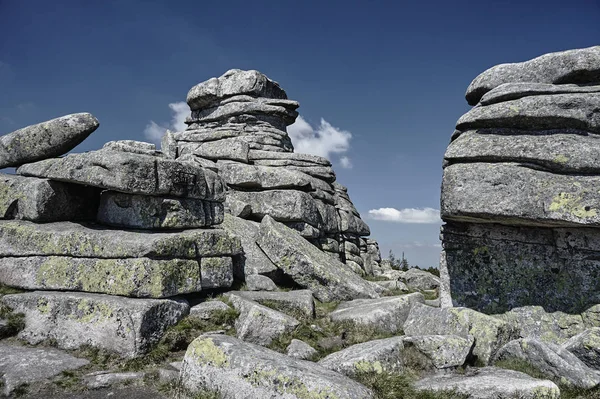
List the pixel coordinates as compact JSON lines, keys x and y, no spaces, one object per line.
{"x":520,"y":187}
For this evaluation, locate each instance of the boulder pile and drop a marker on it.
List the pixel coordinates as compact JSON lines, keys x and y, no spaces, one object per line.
{"x":520,"y":187}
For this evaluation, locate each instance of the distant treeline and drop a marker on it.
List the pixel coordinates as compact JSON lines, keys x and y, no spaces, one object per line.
{"x":402,"y":264}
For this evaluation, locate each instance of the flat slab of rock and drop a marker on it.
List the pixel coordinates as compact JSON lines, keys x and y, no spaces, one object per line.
{"x":535,"y":322}
{"x":513,"y":194}
{"x":129,"y":327}
{"x":206,"y":310}
{"x":374,"y":356}
{"x":309,"y":267}
{"x":42,"y":200}
{"x":45,"y":140}
{"x":157,"y":213}
{"x":258,"y":282}
{"x":257,"y":155}
{"x":231,"y":149}
{"x":491,"y":383}
{"x":254,"y":260}
{"x":231,"y":83}
{"x":560,"y":151}
{"x":296,"y":303}
{"x":300,"y":350}
{"x":263,"y":177}
{"x":586,"y":346}
{"x":107,"y":379}
{"x":489,"y":333}
{"x":386,"y":314}
{"x":552,"y":361}
{"x":420,"y":279}
{"x":259,"y":324}
{"x":21,"y":238}
{"x":131,"y":173}
{"x":136,"y":147}
{"x":133,"y":277}
{"x":22,"y":365}
{"x":513,"y":91}
{"x":571,"y":66}
{"x":237,"y":369}
{"x":558,"y":111}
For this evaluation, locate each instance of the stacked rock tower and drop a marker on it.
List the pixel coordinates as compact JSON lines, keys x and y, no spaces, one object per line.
{"x":112,"y":245}
{"x":521,"y":187}
{"x":237,"y":128}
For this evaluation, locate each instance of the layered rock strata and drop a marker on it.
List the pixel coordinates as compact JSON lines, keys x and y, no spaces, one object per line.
{"x":519,"y":191}
{"x":237,"y":127}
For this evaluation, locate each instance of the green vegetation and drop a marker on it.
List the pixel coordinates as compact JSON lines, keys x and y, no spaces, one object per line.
{"x":399,"y":386}
{"x":326,"y":336}
{"x":6,"y":290}
{"x":402,"y":264}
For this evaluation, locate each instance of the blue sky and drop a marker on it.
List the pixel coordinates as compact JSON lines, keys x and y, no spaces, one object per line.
{"x":391,"y":73}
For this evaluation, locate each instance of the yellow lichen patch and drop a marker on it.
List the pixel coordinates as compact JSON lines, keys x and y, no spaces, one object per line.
{"x":571,"y":203}
{"x":284,"y":384}
{"x":364,"y":366}
{"x":204,"y":351}
{"x":561,"y":159}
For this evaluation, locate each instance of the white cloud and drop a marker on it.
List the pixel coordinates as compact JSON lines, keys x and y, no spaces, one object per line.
{"x":346,"y":162}
{"x":406,"y":215}
{"x":154,"y":131}
{"x":322,"y":141}
{"x":419,"y":244}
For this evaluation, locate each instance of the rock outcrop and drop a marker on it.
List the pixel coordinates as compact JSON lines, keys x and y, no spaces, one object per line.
{"x":519,"y":194}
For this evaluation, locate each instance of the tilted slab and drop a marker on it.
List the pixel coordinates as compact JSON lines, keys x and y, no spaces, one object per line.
{"x":131,"y":173}
{"x":283,"y":109}
{"x":42,"y":200}
{"x":559,"y":111}
{"x":132,"y":277}
{"x":558,"y":151}
{"x":513,"y":91}
{"x":129,"y":327}
{"x":571,"y":66}
{"x":254,"y":155}
{"x":308,"y":266}
{"x":513,"y":194}
{"x":263,"y":177}
{"x":45,"y":140}
{"x":237,"y":369}
{"x":22,"y":238}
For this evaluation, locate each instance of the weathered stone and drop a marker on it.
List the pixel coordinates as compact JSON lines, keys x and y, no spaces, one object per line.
{"x":231,"y":83}
{"x":206,"y":310}
{"x":146,"y":212}
{"x":203,"y":162}
{"x":350,"y":223}
{"x":257,"y":282}
{"x":308,"y":266}
{"x":168,"y":145}
{"x":129,"y":327}
{"x":236,"y":370}
{"x":216,"y":272}
{"x":263,"y":177}
{"x":395,"y":285}
{"x":489,"y":333}
{"x":586,"y":346}
{"x":535,"y":322}
{"x":21,"y":365}
{"x":552,"y":361}
{"x":133,"y":277}
{"x":300,"y":350}
{"x":21,"y":238}
{"x":324,"y":173}
{"x":232,"y":149}
{"x":255,"y":155}
{"x":297,"y":303}
{"x":559,"y":111}
{"x":513,"y":193}
{"x":553,"y":267}
{"x":254,"y":260}
{"x":378,"y":356}
{"x":490,"y":383}
{"x":386,"y":314}
{"x":558,"y":151}
{"x":440,"y":351}
{"x":42,"y":200}
{"x":330,"y":219}
{"x":259,"y":324}
{"x":45,"y":140}
{"x":591,"y":316}
{"x":131,"y":173}
{"x":104,"y":379}
{"x":136,"y":147}
{"x":281,"y":205}
{"x":244,"y":105}
{"x":420,"y":279}
{"x":513,"y":91}
{"x":571,"y":66}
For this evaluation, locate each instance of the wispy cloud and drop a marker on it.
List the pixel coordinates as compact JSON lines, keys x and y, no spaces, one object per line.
{"x":406,"y":215}
{"x":323,"y":141}
{"x":419,"y":244}
{"x":180,"y":112}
